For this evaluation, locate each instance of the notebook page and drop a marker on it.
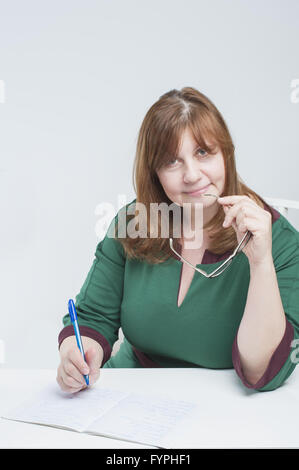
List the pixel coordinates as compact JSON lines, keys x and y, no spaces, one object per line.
{"x":143,"y":419}
{"x":54,"y":407}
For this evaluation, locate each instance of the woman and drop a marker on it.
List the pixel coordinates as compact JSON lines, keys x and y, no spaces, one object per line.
{"x":172,"y":314}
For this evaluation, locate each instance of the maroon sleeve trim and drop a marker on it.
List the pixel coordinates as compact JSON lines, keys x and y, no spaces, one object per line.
{"x":276,"y":362}
{"x":91,"y":333}
{"x":144,"y":360}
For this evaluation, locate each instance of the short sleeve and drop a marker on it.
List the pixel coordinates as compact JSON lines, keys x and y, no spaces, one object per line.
{"x":284,"y":358}
{"x":99,"y":300}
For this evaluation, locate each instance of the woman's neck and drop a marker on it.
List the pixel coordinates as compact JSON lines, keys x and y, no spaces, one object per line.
{"x":193,"y":235}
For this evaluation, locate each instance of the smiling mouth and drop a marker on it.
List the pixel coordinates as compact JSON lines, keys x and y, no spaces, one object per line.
{"x":199,"y":191}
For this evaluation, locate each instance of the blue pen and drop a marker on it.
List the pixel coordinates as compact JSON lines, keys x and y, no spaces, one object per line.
{"x":73,"y":315}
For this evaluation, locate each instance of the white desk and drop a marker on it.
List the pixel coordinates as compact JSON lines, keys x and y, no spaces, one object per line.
{"x":229,"y":415}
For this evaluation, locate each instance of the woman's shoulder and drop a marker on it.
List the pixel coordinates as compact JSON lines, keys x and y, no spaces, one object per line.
{"x":110,"y":245}
{"x":282,"y":225}
{"x":285,"y":238}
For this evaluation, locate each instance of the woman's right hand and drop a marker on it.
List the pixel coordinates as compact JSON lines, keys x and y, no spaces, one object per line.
{"x":72,"y":366}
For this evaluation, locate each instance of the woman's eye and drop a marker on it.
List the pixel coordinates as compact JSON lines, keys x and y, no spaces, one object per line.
{"x":170,"y":162}
{"x":202,"y":154}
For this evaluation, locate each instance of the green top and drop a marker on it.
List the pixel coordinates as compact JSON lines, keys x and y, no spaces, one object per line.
{"x":141,"y":298}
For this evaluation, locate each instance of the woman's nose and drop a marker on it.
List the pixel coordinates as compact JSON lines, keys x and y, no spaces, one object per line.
{"x":192,"y":172}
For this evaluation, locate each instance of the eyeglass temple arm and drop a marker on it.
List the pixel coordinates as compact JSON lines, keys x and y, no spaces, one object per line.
{"x":219,"y":267}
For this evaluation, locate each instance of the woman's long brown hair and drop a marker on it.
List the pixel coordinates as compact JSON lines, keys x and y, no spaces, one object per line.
{"x":159,"y":138}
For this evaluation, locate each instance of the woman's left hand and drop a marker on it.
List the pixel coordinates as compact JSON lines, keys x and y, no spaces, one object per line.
{"x":245,"y":214}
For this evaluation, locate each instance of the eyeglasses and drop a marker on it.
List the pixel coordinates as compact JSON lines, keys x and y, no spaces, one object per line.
{"x":226,"y":263}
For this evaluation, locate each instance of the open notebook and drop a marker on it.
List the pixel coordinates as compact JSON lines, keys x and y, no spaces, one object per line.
{"x":145,"y":419}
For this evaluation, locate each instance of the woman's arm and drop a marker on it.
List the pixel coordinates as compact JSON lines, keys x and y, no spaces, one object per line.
{"x":263,"y":323}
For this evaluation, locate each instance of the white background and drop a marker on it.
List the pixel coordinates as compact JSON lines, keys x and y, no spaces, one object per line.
{"x":79,"y":78}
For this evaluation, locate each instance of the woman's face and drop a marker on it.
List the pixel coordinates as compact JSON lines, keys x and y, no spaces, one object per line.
{"x":194,"y":170}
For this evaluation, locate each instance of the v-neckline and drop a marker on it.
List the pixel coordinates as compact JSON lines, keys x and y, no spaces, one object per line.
{"x":179,"y":288}
{"x":208,"y":258}
{"x":181,"y":274}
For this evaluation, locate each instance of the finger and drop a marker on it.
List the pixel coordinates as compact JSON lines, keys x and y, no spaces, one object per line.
{"x":253,"y":224}
{"x":94,"y":367}
{"x":65,"y":387}
{"x":232,"y":199}
{"x":77,"y":359}
{"x":238,"y":212}
{"x":241,"y":226}
{"x":69,"y":369}
{"x":230,"y":214}
{"x":241,"y":215}
{"x":70,"y":382}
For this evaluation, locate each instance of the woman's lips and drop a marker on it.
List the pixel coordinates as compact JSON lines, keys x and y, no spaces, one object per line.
{"x":200,"y":191}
